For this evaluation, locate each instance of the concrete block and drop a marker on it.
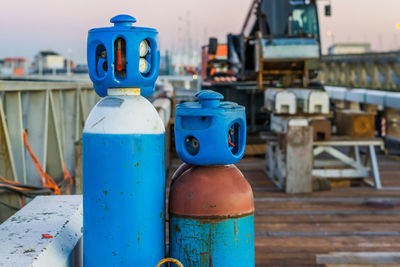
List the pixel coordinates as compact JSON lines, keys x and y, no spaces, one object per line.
{"x":46,"y":232}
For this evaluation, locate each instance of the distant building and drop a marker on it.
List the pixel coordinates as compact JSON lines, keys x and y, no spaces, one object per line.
{"x":48,"y":60}
{"x":72,"y":64}
{"x":349,"y":48}
{"x":185,"y":63}
{"x":13,"y":66}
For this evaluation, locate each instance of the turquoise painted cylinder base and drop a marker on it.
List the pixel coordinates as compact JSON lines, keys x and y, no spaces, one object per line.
{"x":212,"y":242}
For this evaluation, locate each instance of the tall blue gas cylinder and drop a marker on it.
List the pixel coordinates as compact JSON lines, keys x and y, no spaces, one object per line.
{"x":211,"y":204}
{"x":123,"y":150}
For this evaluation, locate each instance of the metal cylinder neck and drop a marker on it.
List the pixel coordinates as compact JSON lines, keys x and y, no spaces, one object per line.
{"x":123,"y":91}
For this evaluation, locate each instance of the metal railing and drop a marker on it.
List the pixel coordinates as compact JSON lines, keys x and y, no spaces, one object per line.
{"x":53,"y":115}
{"x":379,"y":71}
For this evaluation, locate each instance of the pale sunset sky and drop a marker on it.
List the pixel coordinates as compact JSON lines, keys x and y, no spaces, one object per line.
{"x":28,"y":26}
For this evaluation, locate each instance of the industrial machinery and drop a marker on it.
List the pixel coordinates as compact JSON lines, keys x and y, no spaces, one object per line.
{"x":284,"y":37}
{"x":211,"y":205}
{"x":278,"y":51}
{"x":278,"y":47}
{"x":279,"y":44}
{"x":311,"y":101}
{"x":280,"y":101}
{"x":123,"y":150}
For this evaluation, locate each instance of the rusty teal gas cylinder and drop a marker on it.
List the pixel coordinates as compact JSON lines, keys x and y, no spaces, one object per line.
{"x":211,"y":205}
{"x":123,"y":151}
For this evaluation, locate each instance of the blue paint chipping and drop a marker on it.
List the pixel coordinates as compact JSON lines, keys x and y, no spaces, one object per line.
{"x":212,"y":242}
{"x":123,"y":199}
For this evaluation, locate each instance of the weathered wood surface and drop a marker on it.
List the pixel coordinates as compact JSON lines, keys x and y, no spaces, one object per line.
{"x":355,"y":123}
{"x":299,"y":160}
{"x":292,"y":229}
{"x":360,"y":259}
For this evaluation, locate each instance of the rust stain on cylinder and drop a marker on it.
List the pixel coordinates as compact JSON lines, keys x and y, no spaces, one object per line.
{"x":209,"y":191}
{"x":235,"y":228}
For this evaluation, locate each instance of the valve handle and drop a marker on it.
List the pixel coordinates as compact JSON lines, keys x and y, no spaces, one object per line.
{"x":122,"y":20}
{"x":175,"y":261}
{"x":209,"y":98}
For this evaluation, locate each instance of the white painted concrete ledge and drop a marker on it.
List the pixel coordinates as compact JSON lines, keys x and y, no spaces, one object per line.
{"x":21,"y":240}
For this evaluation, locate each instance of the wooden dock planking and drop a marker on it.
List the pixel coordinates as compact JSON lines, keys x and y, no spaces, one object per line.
{"x":366,"y":259}
{"x":327,"y":228}
{"x":291,"y":229}
{"x":337,"y":218}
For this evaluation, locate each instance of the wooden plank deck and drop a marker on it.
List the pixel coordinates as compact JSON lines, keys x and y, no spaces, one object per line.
{"x":290,"y":230}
